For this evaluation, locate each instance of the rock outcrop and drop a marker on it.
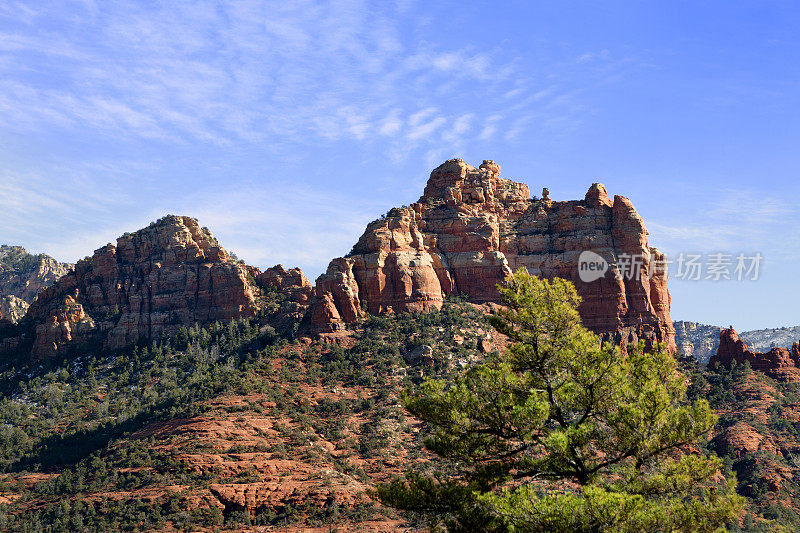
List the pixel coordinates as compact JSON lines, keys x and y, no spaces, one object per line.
{"x":471,"y":229}
{"x":697,"y":340}
{"x":779,"y":363}
{"x":22,"y":276}
{"x":292,"y":283}
{"x":764,"y":339}
{"x":287,"y":294}
{"x":702,"y":340}
{"x":152,"y":282}
{"x":12,"y":308}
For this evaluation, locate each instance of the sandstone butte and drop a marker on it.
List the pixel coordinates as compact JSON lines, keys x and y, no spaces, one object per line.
{"x":466,"y":234}
{"x":471,"y":229}
{"x":779,"y":363}
{"x":171,"y":274}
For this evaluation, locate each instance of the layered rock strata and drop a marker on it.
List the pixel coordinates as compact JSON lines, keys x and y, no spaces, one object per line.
{"x":471,"y":229}
{"x":779,"y":363}
{"x":152,"y":282}
{"x":697,"y":340}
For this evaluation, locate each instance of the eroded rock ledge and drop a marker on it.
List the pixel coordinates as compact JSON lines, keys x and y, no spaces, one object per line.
{"x":779,"y":363}
{"x":152,"y":282}
{"x":471,"y":229}
{"x":467,"y":233}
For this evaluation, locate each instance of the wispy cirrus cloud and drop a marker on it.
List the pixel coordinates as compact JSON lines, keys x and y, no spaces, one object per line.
{"x":70,"y":216}
{"x":290,"y":223}
{"x":248,"y":71}
{"x":142,"y":83}
{"x":283,"y":229}
{"x":734,"y":220}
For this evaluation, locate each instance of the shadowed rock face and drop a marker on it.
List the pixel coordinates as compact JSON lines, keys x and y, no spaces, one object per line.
{"x":471,"y":229}
{"x":22,"y":276}
{"x":154,"y":281}
{"x":779,"y":363}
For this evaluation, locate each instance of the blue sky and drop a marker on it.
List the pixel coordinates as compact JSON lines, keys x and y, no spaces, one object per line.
{"x":286,"y":126}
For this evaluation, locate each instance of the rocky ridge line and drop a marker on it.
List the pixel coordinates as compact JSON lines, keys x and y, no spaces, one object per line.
{"x":468,"y":232}
{"x":697,"y":340}
{"x":779,"y":363}
{"x":702,"y":340}
{"x":471,"y":229}
{"x":152,"y":282}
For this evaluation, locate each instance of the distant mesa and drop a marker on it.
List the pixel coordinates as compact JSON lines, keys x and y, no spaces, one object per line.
{"x":22,"y":276}
{"x":702,"y":340}
{"x":471,"y":229}
{"x":697,"y":340}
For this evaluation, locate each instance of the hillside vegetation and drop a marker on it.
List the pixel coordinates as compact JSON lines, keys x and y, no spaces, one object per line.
{"x":240,"y":426}
{"x":221,"y":427}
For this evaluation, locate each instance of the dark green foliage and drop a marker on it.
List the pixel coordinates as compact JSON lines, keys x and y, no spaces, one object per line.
{"x":559,"y":433}
{"x":67,"y":409}
{"x":110,"y":515}
{"x":728,"y":390}
{"x":16,"y":259}
{"x":77,"y":416}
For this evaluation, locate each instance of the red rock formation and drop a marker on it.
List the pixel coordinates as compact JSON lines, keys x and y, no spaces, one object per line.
{"x":471,"y":229}
{"x":291,"y":282}
{"x":294,"y":294}
{"x":778,"y":362}
{"x":169,"y":274}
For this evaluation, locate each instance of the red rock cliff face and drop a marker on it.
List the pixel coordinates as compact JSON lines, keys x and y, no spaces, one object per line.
{"x":170,"y":274}
{"x":778,"y":362}
{"x":471,"y":229}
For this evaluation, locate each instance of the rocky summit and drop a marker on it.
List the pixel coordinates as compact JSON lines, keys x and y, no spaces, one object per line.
{"x":152,"y":282}
{"x":701,"y":341}
{"x":22,"y":276}
{"x":471,"y":229}
{"x":467,"y":233}
{"x":780,"y":363}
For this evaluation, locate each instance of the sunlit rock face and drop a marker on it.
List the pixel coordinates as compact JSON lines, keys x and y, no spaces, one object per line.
{"x":170,"y":274}
{"x":471,"y":229}
{"x":780,"y":363}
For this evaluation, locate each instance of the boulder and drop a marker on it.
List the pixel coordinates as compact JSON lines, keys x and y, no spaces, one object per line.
{"x":421,"y":355}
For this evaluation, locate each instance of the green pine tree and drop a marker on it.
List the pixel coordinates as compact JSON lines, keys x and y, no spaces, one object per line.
{"x":560,"y":433}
